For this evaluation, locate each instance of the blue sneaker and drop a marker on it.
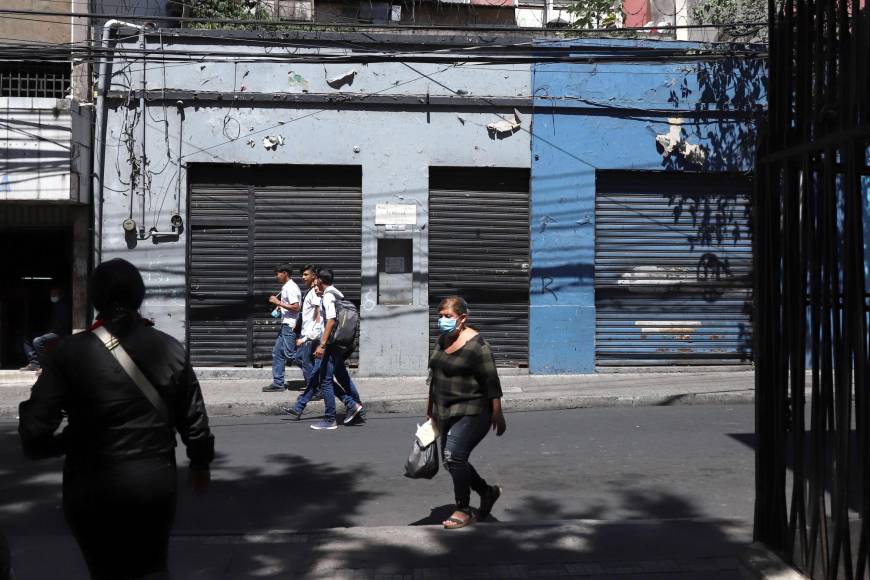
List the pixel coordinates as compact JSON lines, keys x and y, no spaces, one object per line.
{"x":324,"y":425}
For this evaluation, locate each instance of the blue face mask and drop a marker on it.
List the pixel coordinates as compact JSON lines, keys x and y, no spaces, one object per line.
{"x":446,"y":325}
{"x":276,"y":313}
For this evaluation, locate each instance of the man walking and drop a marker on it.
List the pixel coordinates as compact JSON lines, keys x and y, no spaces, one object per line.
{"x":311,"y":325}
{"x":287,"y":309}
{"x":331,"y":365}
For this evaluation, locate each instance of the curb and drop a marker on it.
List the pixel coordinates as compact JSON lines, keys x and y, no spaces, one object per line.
{"x":513,"y":402}
{"x":417,"y":406}
{"x":760,"y":563}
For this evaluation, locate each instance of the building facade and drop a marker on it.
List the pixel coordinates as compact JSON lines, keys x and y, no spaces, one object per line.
{"x":45,"y":157}
{"x":416,"y":177}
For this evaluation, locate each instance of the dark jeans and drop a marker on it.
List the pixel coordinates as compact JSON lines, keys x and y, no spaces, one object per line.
{"x":459,"y":437}
{"x":121,"y":514}
{"x":331,"y":376}
{"x":305,"y":359}
{"x":36,"y":351}
{"x":284,"y":351}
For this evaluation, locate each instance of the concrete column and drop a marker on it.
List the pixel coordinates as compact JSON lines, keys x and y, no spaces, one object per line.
{"x":79,"y":282}
{"x":80,"y":33}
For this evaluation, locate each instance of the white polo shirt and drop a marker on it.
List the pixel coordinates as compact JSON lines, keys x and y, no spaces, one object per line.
{"x":312,"y":322}
{"x":327,"y":303}
{"x":290,"y":294}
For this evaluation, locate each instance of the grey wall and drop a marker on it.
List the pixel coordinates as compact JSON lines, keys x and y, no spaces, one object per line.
{"x":394,"y":148}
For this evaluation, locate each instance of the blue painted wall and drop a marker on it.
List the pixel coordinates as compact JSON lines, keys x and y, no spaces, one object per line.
{"x":591,"y":117}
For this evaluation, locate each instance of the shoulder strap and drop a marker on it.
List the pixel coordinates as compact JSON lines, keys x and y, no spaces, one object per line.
{"x":133,"y":371}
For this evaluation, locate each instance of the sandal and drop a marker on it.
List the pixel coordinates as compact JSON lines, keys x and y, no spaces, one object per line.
{"x":454,"y":523}
{"x":488,"y":500}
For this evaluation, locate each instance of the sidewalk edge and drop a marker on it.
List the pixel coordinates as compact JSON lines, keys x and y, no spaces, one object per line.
{"x":760,"y":563}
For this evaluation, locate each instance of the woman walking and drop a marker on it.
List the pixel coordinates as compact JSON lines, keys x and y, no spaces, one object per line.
{"x":125,"y":388}
{"x":465,"y":403}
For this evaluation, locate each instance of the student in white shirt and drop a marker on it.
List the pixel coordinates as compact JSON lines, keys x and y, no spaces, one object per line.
{"x":287,"y":309}
{"x":311,"y":323}
{"x":331,"y":372}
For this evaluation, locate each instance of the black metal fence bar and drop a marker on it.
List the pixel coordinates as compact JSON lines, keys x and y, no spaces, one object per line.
{"x":811,"y":310}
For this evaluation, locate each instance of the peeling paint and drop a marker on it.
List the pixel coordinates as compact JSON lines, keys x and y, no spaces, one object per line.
{"x":297,"y":81}
{"x":271,"y":142}
{"x":343,"y":80}
{"x":505,"y":127}
{"x":675,"y":143}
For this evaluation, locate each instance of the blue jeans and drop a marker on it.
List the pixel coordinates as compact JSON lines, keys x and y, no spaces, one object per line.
{"x":327,"y":371}
{"x":283,"y":351}
{"x":459,"y":436}
{"x":36,"y":351}
{"x":304,"y":358}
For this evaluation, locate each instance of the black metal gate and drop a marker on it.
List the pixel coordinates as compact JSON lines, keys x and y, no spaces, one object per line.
{"x":479,"y":249}
{"x":238,"y":233}
{"x":812,"y":395}
{"x":673,"y":263}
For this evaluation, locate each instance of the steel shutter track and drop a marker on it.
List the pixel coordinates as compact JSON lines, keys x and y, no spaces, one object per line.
{"x":673,"y":269}
{"x":300,"y":215}
{"x":479,"y":249}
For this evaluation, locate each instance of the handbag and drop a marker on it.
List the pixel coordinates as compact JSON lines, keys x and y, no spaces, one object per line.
{"x":133,"y":371}
{"x":422,"y":462}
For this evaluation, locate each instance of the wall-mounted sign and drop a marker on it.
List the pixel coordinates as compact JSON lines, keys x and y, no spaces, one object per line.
{"x":387,"y":214}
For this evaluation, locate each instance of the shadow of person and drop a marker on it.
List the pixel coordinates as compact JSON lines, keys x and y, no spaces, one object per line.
{"x":436,"y":516}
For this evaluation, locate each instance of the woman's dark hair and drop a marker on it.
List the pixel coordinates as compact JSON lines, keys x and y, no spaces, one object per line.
{"x":117,"y":290}
{"x":325,"y":275}
{"x":455,"y":303}
{"x":286,"y":267}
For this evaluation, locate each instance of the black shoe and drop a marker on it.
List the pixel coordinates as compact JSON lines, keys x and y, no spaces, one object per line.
{"x":352,"y":415}
{"x":292,"y":412}
{"x":30,"y":367}
{"x":273,"y":388}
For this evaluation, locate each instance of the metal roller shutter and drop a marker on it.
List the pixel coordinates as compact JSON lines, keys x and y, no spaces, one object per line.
{"x":301,"y":214}
{"x":220,"y":278}
{"x":317,"y":221}
{"x":479,"y":249}
{"x":673,"y":269}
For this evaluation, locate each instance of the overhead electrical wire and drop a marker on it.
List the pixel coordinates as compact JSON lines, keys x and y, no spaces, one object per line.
{"x":311,"y":24}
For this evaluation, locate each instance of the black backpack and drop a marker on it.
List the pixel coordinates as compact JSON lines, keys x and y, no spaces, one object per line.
{"x":344,"y":333}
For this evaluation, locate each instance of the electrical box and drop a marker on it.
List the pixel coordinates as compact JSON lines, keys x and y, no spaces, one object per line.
{"x":395,"y":271}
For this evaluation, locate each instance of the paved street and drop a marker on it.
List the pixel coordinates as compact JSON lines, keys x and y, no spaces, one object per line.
{"x":607,"y":491}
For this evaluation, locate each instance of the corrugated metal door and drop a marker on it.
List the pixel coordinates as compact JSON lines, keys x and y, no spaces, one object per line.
{"x":479,"y":249}
{"x":316,"y":220}
{"x":673,"y":264}
{"x":296,"y":214}
{"x":220,"y":276}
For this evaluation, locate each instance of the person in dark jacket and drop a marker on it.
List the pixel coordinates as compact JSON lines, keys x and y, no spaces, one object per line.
{"x":465,"y":402}
{"x":119,"y":478}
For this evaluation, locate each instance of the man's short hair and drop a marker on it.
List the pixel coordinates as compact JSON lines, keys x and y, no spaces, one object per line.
{"x":285,"y":267}
{"x":325,"y":275}
{"x":308,"y":267}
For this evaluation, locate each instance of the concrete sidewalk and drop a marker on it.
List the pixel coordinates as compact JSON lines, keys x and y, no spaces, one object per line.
{"x":238,"y":391}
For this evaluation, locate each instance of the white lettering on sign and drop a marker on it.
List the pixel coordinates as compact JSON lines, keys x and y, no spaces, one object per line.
{"x":395,"y":214}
